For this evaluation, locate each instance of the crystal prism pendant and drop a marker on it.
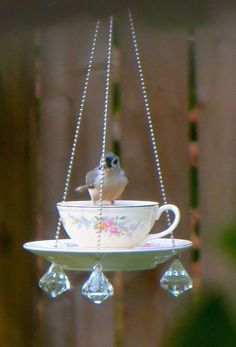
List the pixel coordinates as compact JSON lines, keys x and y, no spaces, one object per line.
{"x":176,"y":280}
{"x":97,"y":288}
{"x":54,"y":281}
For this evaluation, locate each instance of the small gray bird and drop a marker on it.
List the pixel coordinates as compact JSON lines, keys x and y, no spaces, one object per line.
{"x":115,"y":180}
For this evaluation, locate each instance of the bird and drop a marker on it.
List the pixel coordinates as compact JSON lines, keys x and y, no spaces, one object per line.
{"x":115,"y":180}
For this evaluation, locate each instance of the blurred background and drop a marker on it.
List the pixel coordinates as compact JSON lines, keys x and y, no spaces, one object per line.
{"x":188,"y":52}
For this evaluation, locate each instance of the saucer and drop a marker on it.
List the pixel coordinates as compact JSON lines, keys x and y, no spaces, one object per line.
{"x":152,"y":252}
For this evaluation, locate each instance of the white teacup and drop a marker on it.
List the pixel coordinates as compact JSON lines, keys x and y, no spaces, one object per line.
{"x":124,"y":224}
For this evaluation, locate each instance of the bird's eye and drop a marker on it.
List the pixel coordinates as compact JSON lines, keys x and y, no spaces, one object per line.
{"x":115,"y":161}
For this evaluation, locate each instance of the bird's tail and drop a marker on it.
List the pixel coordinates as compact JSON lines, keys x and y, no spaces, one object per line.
{"x":81,"y":189}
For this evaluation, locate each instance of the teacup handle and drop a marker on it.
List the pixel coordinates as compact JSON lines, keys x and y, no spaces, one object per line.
{"x":175,"y":222}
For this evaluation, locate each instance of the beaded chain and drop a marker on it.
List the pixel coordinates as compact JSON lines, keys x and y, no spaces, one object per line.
{"x":149,"y":119}
{"x":72,"y":156}
{"x":104,"y":132}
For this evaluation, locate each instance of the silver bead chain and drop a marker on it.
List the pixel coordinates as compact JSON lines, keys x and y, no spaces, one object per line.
{"x":84,"y":94}
{"x":104,"y":132}
{"x":149,"y":117}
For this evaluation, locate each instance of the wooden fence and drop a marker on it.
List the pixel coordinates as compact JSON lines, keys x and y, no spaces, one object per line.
{"x":42,"y":72}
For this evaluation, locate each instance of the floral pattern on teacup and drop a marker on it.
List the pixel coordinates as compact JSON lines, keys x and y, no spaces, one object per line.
{"x":147,"y":244}
{"x":114,"y":226}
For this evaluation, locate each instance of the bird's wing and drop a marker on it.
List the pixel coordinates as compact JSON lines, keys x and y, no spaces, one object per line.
{"x":91,"y":178}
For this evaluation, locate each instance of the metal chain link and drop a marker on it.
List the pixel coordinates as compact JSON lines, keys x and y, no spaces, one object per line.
{"x":72,"y":156}
{"x":107,"y":84}
{"x":149,"y":118}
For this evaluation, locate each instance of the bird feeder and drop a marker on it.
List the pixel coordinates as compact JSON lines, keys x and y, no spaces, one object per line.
{"x":112,"y":237}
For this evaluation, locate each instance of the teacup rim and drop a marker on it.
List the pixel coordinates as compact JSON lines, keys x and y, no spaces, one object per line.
{"x":117,"y":204}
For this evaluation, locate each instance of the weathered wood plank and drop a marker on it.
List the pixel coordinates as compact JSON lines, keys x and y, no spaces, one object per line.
{"x":216,"y":79}
{"x":149,"y":312}
{"x":17,"y":167}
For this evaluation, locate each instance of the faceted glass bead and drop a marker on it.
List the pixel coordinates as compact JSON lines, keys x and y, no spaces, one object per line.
{"x":176,"y":280}
{"x":97,"y":288}
{"x":54,"y":281}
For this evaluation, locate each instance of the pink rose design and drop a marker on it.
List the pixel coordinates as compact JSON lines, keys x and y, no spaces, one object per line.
{"x":113,"y":229}
{"x":147,"y":244}
{"x":108,"y":223}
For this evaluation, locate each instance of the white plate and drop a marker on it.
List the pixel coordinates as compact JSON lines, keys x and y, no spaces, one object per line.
{"x":70,"y":256}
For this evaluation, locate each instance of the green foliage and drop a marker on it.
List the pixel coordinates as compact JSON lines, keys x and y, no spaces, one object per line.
{"x":208,"y":324}
{"x":193,"y":132}
{"x":228,"y":240}
{"x":115,"y":98}
{"x":195,"y":255}
{"x":116,"y":147}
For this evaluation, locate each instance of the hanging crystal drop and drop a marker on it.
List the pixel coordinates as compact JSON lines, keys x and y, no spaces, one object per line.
{"x":176,"y":280}
{"x":97,"y":288}
{"x":54,"y":281}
